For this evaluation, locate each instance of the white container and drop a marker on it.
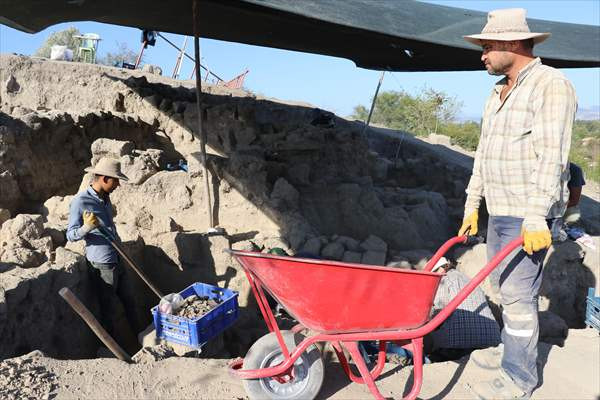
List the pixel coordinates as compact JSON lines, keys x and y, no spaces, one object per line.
{"x":58,"y":52}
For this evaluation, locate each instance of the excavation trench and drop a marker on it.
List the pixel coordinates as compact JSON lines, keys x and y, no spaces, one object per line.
{"x":282,"y":176}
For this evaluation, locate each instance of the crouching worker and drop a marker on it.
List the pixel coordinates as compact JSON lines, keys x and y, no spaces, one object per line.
{"x":576,"y":182}
{"x":471,"y":326}
{"x":88,"y":210}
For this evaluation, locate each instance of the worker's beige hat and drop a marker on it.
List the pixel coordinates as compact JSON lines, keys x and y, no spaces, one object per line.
{"x":108,"y":167}
{"x":507,"y":25}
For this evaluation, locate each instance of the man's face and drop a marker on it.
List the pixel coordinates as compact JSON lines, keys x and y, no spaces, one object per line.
{"x":109,"y":184}
{"x":497,"y":56}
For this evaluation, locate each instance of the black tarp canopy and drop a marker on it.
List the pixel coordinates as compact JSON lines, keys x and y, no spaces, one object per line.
{"x":395,"y":35}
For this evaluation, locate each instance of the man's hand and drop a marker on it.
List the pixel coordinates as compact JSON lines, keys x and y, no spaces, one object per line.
{"x":536,"y":240}
{"x":469,"y":224}
{"x":90,"y":220}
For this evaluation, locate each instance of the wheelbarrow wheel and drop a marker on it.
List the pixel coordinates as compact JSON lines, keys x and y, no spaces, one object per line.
{"x":308,"y":370}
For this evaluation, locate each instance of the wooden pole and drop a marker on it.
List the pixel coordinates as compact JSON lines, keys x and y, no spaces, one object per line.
{"x":201,"y":133}
{"x":93,"y":323}
{"x":373,"y":104}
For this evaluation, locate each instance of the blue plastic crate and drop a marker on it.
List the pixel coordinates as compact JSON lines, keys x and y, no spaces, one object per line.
{"x":196,"y":332}
{"x":592,"y":312}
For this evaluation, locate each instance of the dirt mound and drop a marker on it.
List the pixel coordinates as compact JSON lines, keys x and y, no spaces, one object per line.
{"x":26,"y":378}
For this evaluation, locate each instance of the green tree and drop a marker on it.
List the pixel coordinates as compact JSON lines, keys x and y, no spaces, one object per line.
{"x":122,"y":54}
{"x":63,"y":38}
{"x":419,"y":114}
{"x":360,"y":113}
{"x":585,"y":147}
{"x":465,"y":134}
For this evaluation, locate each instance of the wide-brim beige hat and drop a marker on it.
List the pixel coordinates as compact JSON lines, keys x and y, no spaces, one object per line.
{"x":507,"y":25}
{"x":108,"y":167}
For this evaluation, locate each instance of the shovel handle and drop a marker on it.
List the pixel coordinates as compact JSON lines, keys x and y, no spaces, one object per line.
{"x":128,"y":260}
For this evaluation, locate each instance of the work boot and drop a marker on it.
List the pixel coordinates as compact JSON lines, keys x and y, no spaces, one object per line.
{"x":490,"y":358}
{"x":500,"y":388}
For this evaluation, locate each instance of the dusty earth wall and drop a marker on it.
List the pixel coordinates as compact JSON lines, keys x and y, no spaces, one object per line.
{"x":281,"y":175}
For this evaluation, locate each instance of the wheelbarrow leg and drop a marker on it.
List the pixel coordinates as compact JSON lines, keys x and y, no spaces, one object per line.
{"x":363,"y":369}
{"x":417,"y":350}
{"x":375,"y":372}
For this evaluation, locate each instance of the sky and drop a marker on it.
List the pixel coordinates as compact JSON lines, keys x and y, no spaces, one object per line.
{"x":330,"y":83}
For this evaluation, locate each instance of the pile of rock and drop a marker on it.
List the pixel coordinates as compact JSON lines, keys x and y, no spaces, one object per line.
{"x":194,"y":306}
{"x":372,"y":250}
{"x":24,"y":378}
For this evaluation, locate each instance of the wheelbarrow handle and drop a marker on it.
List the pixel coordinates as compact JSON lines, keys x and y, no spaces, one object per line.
{"x":466,"y":240}
{"x":442,"y":250}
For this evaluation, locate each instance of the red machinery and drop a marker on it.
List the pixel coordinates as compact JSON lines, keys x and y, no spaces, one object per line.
{"x":342,"y":304}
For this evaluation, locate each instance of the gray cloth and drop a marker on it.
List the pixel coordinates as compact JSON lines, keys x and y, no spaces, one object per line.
{"x":471,"y":325}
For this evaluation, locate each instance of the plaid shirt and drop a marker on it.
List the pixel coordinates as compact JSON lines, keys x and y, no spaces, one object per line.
{"x":472,"y":324}
{"x":521,"y":162}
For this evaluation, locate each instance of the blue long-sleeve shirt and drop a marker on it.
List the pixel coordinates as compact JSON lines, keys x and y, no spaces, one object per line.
{"x":97,"y":248}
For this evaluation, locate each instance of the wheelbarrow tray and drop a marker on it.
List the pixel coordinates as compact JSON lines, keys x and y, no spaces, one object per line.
{"x":333,"y":297}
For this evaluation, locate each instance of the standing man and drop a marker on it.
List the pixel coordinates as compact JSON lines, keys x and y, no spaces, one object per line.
{"x":88,"y":210}
{"x":521,"y":168}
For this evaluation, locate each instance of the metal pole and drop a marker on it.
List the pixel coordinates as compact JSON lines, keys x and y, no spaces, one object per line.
{"x":137,"y":62}
{"x":373,"y":104}
{"x":187,"y":55}
{"x":201,"y":133}
{"x":93,"y":323}
{"x":180,"y":59}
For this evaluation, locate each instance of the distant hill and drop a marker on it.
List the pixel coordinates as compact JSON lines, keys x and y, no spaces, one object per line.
{"x":589,"y":114}
{"x":584,"y":114}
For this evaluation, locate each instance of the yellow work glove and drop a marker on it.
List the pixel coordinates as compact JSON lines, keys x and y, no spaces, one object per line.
{"x":90,"y":220}
{"x":536,"y":240}
{"x":469,"y":224}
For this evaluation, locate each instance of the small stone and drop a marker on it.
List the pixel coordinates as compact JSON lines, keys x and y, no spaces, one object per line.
{"x":349,"y":243}
{"x":374,"y":243}
{"x":333,"y":251}
{"x":311,"y":247}
{"x":352,"y":257}
{"x":372,"y":257}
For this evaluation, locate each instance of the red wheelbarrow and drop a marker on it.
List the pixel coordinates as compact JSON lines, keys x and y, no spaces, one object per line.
{"x":343,"y":304}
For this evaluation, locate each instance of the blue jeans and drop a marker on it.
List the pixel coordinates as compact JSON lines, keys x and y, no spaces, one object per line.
{"x":516,"y":282}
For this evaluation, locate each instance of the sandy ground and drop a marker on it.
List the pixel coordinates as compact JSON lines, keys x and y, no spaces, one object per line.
{"x":570,"y":372}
